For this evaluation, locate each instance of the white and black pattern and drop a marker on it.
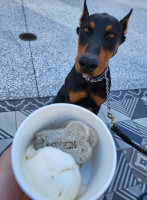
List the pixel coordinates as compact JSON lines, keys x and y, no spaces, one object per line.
{"x":7,"y":106}
{"x":141,"y":161}
{"x":21,"y":116}
{"x":142,"y":127}
{"x":129,"y":109}
{"x":130,"y":105}
{"x":118,"y":115}
{"x":7,"y":125}
{"x":144,"y":99}
{"x":123,"y":177}
{"x":143,"y":187}
{"x":26,"y":112}
{"x":118,"y":106}
{"x":4,"y":135}
{"x":126,"y":194}
{"x":138,"y":163}
{"x":123,"y":95}
{"x":4,"y":144}
{"x":129,"y":128}
{"x":25,"y":104}
{"x":32,"y":104}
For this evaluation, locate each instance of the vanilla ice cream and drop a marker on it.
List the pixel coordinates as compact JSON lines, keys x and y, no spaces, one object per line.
{"x":52,"y":174}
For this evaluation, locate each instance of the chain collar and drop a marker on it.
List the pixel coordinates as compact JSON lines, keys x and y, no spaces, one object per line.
{"x":98,"y":78}
{"x":107,"y":93}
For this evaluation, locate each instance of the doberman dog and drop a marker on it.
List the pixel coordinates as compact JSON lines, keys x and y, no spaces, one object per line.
{"x":99,"y":38}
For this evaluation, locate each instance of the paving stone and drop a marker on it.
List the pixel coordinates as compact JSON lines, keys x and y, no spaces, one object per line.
{"x":21,"y":116}
{"x":17,"y":78}
{"x":39,"y":68}
{"x":55,"y":49}
{"x":4,"y":144}
{"x":7,"y":125}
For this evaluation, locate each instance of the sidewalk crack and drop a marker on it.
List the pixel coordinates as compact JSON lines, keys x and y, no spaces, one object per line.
{"x":34,"y":70}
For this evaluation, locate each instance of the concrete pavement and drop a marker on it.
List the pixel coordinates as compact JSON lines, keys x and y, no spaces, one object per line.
{"x":39,"y":68}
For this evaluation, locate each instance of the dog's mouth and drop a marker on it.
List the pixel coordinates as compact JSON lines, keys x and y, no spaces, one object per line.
{"x":88,"y":78}
{"x":97,"y":78}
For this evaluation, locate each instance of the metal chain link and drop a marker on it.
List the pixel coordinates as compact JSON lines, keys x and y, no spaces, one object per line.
{"x":109,"y":114}
{"x":107,"y":93}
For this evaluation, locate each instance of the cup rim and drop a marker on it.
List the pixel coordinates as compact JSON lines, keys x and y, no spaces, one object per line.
{"x":14,"y":166}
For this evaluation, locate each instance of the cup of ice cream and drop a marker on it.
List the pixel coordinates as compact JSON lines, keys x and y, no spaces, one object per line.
{"x":48,"y":172}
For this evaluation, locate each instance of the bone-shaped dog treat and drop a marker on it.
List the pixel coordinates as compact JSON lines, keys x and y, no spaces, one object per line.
{"x":74,"y":137}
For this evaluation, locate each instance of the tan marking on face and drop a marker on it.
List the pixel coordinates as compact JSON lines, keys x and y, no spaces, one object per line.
{"x":104,"y":58}
{"x":108,"y":28}
{"x":98,"y":100}
{"x":81,"y":51}
{"x":76,"y":96}
{"x":92,"y":24}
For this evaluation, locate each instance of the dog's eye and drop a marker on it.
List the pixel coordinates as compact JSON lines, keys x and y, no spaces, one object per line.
{"x":85,"y":29}
{"x":111,"y":35}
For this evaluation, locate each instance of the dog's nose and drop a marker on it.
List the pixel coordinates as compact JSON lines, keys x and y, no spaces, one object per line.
{"x":88,"y":63}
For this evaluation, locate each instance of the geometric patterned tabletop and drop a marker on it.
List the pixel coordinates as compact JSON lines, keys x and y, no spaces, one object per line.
{"x":130,"y":111}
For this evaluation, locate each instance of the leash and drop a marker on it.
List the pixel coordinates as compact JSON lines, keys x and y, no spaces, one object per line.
{"x":114,"y":127}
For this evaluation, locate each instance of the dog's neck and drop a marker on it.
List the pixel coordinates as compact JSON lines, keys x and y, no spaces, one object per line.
{"x":97,"y":78}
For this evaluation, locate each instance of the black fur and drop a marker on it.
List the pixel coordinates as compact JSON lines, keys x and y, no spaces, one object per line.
{"x":94,"y":39}
{"x":76,"y":82}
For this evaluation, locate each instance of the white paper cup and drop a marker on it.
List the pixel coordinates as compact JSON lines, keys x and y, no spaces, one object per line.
{"x":102,"y":163}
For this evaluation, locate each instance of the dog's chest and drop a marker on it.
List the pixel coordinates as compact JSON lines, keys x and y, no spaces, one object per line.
{"x":95,"y":88}
{"x":93,"y":92}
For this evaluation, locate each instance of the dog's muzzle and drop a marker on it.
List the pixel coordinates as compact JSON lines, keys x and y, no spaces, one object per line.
{"x":88,"y":63}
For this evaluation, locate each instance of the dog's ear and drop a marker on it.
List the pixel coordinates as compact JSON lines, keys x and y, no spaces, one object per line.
{"x":124,"y":22}
{"x":85,"y":13}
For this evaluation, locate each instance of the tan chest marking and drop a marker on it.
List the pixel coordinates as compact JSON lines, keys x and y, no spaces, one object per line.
{"x":90,"y":109}
{"x":76,"y":96}
{"x":98,"y":100}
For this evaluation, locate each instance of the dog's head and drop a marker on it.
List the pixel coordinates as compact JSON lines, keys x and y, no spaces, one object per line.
{"x":99,"y":38}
